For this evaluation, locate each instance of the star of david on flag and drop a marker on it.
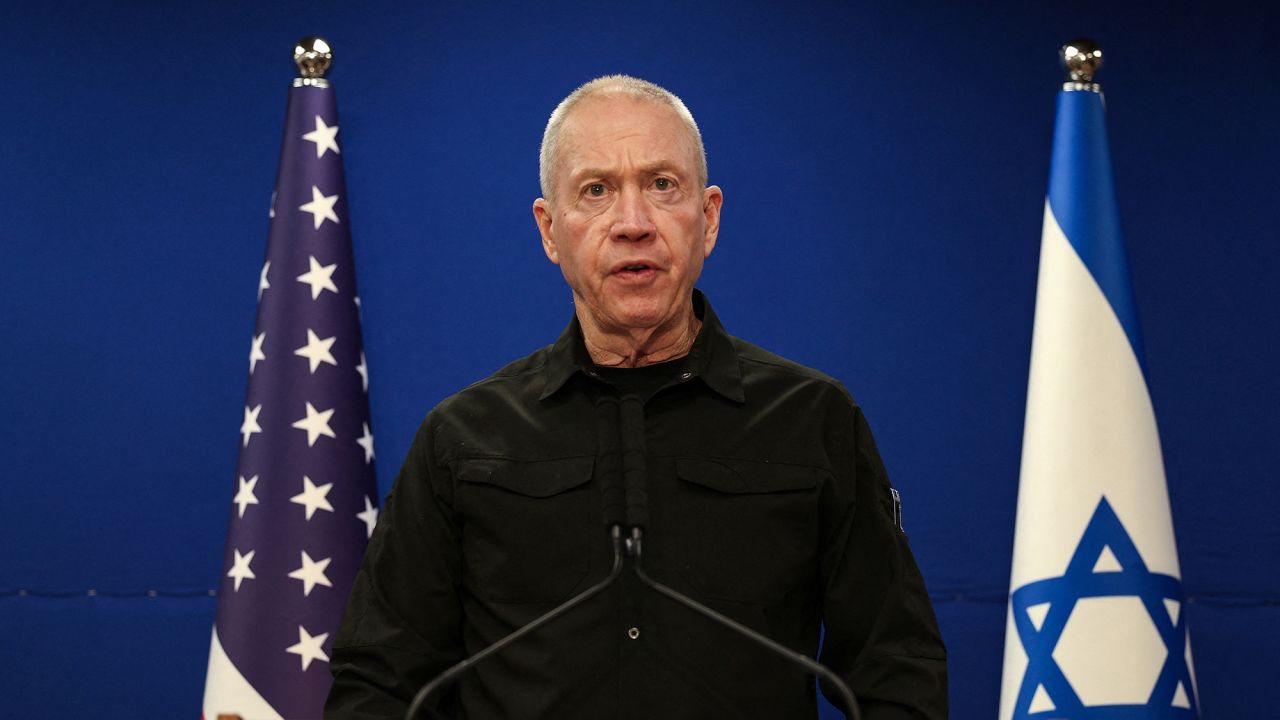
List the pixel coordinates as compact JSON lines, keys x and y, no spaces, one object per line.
{"x":1097,"y":628}
{"x":1105,"y":584}
{"x":305,"y":493}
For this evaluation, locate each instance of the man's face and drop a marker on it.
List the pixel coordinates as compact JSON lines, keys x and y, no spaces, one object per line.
{"x":629,"y":223}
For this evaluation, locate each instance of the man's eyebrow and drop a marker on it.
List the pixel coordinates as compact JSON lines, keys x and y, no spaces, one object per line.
{"x":662,"y":166}
{"x":579,"y":175}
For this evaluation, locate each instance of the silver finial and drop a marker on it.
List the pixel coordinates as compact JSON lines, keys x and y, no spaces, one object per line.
{"x":1082,"y":58}
{"x":313,"y":57}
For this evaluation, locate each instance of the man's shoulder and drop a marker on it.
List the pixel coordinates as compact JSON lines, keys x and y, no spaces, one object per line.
{"x":758,"y":363}
{"x":517,"y":370}
{"x":518,"y":377}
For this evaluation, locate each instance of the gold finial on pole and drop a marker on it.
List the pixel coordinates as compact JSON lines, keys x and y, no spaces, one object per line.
{"x":313,"y":57}
{"x":1082,"y":58}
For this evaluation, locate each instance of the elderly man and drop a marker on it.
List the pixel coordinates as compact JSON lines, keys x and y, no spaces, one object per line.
{"x":767,"y":499}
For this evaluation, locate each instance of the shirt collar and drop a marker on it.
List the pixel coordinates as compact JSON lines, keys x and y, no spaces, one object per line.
{"x":712,"y":357}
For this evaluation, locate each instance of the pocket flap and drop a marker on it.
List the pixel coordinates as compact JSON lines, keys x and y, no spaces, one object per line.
{"x":531,"y":478}
{"x":742,"y":477}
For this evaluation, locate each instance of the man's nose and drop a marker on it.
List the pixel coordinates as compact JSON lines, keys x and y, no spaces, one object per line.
{"x":632,"y":221}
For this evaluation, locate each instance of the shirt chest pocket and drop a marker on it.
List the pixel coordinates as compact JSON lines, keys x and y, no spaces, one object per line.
{"x":526,"y":527}
{"x":747,"y":531}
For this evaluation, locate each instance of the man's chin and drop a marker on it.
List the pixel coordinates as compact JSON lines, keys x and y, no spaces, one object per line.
{"x":641,"y":316}
{"x":637,"y":312}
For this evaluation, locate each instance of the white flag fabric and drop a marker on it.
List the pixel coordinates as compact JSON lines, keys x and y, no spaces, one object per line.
{"x":1096,"y":625}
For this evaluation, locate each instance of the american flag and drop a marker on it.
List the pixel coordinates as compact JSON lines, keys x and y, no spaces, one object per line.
{"x":306,"y":497}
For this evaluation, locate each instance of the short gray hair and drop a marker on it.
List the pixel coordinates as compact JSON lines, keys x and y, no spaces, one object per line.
{"x":549,"y":155}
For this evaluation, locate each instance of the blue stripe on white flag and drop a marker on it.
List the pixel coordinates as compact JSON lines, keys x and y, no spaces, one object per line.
{"x":1083,"y":198}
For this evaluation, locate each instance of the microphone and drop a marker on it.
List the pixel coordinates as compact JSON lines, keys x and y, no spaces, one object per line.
{"x":616,"y":510}
{"x":635,"y":472}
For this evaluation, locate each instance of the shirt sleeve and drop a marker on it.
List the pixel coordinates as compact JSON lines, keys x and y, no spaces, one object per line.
{"x":402,"y":624}
{"x":881,"y":637}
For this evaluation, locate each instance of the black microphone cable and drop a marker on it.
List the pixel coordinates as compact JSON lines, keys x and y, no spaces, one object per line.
{"x":614,"y":513}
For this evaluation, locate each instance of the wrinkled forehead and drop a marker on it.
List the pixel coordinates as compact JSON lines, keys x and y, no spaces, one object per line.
{"x":619,"y":128}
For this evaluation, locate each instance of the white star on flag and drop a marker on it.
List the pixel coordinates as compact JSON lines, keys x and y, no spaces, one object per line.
{"x":316,"y":424}
{"x":262,"y":279}
{"x":364,"y":372}
{"x":255,"y":352}
{"x":317,"y":350}
{"x":313,"y":497}
{"x":240,"y":568}
{"x":245,"y":497}
{"x":308,"y":647}
{"x":325,"y":137}
{"x":320,"y":278}
{"x":366,"y":442}
{"x":311,"y":573}
{"x":369,"y":517}
{"x":250,"y":425}
{"x":320,"y":207}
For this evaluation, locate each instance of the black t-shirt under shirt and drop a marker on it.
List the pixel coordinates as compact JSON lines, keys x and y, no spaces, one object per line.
{"x":642,"y":381}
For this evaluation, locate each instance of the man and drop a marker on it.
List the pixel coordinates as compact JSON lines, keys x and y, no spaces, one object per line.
{"x":767,"y":498}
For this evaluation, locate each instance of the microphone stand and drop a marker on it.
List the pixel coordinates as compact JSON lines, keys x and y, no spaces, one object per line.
{"x":419,"y":700}
{"x":804,"y":661}
{"x":635,"y":476}
{"x":610,"y":461}
{"x":625,"y":472}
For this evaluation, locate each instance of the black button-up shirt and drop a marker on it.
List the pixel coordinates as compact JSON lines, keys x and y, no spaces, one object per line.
{"x":767,"y":501}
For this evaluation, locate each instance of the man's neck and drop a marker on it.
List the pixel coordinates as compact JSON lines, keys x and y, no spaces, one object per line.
{"x":638,"y":347}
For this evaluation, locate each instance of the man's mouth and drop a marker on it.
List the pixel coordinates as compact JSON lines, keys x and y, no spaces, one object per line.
{"x":637,"y":269}
{"x":632,"y":267}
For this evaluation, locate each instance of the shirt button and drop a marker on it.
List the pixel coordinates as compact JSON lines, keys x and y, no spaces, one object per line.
{"x":686,"y":376}
{"x":633,"y":633}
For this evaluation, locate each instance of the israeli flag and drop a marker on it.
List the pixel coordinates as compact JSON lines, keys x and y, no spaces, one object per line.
{"x":1096,"y":624}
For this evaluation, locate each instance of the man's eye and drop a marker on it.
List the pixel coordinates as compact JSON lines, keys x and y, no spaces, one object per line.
{"x":595,"y":189}
{"x":662,"y":184}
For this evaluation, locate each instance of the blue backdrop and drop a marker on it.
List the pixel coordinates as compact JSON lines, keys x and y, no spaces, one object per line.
{"x":884,"y":167}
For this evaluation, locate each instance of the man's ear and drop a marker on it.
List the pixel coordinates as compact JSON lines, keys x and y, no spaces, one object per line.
{"x":712,"y":199}
{"x":542,"y":216}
